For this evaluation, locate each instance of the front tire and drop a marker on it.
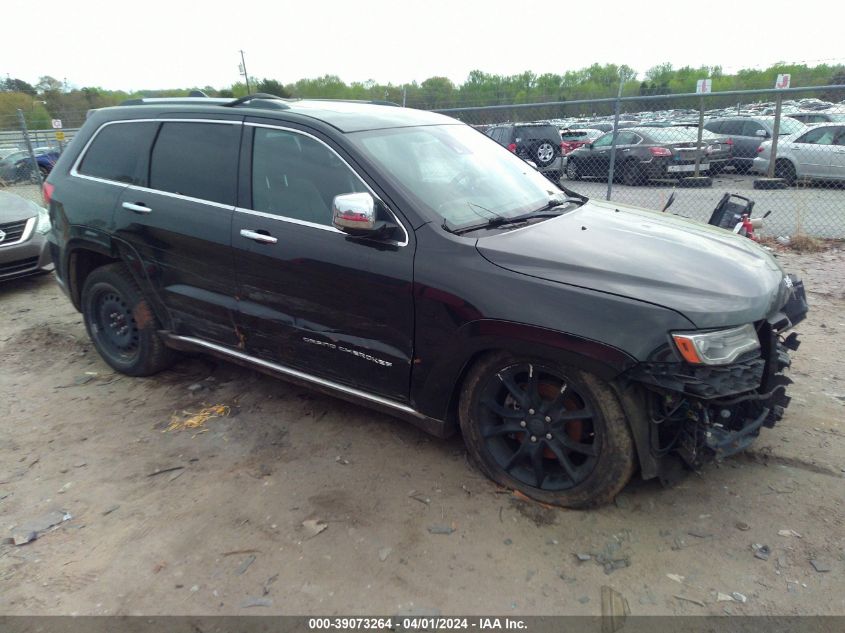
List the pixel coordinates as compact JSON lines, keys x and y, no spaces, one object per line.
{"x":121,"y":323}
{"x":573,"y":170}
{"x":551,"y":431}
{"x":785,"y":170}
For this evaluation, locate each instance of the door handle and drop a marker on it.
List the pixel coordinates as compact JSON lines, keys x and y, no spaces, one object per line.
{"x":258,"y":237}
{"x":137,"y":208}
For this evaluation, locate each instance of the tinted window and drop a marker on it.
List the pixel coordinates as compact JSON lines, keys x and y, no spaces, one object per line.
{"x":627,"y":138}
{"x":750,"y":128}
{"x":120,"y":152}
{"x":298,"y":177}
{"x":535,"y":132}
{"x":731,"y":127}
{"x":199,"y":160}
{"x":840,"y":136}
{"x":573,"y":136}
{"x":604,"y":141}
{"x":713,"y":126}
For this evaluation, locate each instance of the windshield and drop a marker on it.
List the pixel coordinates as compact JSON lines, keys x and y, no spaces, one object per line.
{"x":789,"y":125}
{"x":456,"y":173}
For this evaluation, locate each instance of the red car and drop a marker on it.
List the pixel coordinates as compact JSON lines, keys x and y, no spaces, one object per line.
{"x":574,"y":138}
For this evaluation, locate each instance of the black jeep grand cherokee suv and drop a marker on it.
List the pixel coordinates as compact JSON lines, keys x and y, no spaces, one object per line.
{"x":401,"y":259}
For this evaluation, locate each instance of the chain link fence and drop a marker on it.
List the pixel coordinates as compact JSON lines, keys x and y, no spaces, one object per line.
{"x":783,"y":150}
{"x":29,"y":149}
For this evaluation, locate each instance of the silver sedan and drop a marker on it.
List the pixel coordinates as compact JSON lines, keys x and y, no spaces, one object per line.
{"x":23,"y":244}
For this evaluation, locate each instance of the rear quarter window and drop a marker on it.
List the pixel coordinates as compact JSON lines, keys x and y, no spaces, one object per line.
{"x":119,"y":152}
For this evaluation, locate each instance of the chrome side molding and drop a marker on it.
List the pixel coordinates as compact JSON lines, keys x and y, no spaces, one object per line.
{"x":295,"y":373}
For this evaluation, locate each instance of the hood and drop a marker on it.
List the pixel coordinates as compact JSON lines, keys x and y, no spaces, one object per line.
{"x":14,"y":208}
{"x":711,"y":276}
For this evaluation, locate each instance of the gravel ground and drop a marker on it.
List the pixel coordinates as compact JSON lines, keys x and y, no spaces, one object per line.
{"x":215,"y":520}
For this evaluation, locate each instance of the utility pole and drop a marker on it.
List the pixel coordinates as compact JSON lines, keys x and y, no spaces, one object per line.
{"x":244,"y":73}
{"x":404,"y":95}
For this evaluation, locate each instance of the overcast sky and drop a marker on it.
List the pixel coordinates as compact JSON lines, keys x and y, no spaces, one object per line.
{"x":167,"y":44}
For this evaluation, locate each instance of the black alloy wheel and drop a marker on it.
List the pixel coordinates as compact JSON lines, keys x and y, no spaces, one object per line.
{"x":554,"y":433}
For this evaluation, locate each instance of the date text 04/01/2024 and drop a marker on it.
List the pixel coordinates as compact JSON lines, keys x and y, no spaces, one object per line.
{"x":416,"y":623}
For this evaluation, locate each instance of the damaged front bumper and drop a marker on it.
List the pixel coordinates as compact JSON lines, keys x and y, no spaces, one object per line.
{"x":701,"y":412}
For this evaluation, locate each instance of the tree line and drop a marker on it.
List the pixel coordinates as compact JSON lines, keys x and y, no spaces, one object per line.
{"x":49,"y":98}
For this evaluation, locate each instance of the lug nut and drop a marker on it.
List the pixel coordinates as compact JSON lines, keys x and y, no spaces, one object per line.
{"x":548,"y":436}
{"x":533,"y":438}
{"x":530,"y":411}
{"x":522,"y":424}
{"x":547,"y":419}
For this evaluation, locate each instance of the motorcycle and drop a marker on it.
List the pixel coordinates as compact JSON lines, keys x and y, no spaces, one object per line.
{"x":732,"y":213}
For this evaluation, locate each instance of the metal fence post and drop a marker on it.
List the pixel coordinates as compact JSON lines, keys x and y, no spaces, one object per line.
{"x":700,"y":134}
{"x":613,"y":141}
{"x":29,"y":148}
{"x":775,"y":134}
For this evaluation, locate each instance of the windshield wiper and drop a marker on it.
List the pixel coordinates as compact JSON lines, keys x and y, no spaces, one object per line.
{"x":550,"y":210}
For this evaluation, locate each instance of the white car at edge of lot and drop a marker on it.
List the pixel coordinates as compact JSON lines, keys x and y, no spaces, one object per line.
{"x":814,"y":154}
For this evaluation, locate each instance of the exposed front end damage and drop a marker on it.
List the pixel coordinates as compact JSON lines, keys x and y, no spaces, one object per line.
{"x":705,"y":412}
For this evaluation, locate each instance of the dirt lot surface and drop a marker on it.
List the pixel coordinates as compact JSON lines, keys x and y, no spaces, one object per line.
{"x":214,"y":520}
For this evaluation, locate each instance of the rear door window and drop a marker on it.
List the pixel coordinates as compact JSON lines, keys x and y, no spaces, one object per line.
{"x":750,"y":128}
{"x":734,"y":128}
{"x":120,"y":152}
{"x":199,"y":160}
{"x":713,"y":126}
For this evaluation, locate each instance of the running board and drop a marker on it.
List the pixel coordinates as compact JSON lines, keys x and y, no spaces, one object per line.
{"x":435,"y":427}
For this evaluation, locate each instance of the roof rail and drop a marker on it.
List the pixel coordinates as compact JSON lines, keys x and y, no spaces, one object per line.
{"x":259,"y":100}
{"x":175,"y":100}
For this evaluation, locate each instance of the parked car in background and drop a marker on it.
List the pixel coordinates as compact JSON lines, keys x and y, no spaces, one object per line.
{"x":747,"y":132}
{"x":23,"y":245}
{"x":17,"y":167}
{"x":819,"y":117}
{"x":571,"y":139}
{"x":814,"y":154}
{"x":649,"y":153}
{"x":538,"y":142}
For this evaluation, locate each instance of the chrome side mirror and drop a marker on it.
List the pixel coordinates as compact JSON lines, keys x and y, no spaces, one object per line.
{"x":354,"y":213}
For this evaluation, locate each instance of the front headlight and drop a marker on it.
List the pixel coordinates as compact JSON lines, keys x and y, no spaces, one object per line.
{"x":43,"y":225}
{"x":719,"y":347}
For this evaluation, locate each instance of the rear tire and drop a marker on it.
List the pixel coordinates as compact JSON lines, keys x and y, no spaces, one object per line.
{"x":121,"y":323}
{"x":573,"y":170}
{"x":551,"y":431}
{"x":633,"y":174}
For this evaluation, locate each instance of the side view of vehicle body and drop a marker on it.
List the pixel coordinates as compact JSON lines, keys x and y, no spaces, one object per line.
{"x":817,"y":153}
{"x":649,"y":153}
{"x":401,"y":259}
{"x":746,"y":133}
